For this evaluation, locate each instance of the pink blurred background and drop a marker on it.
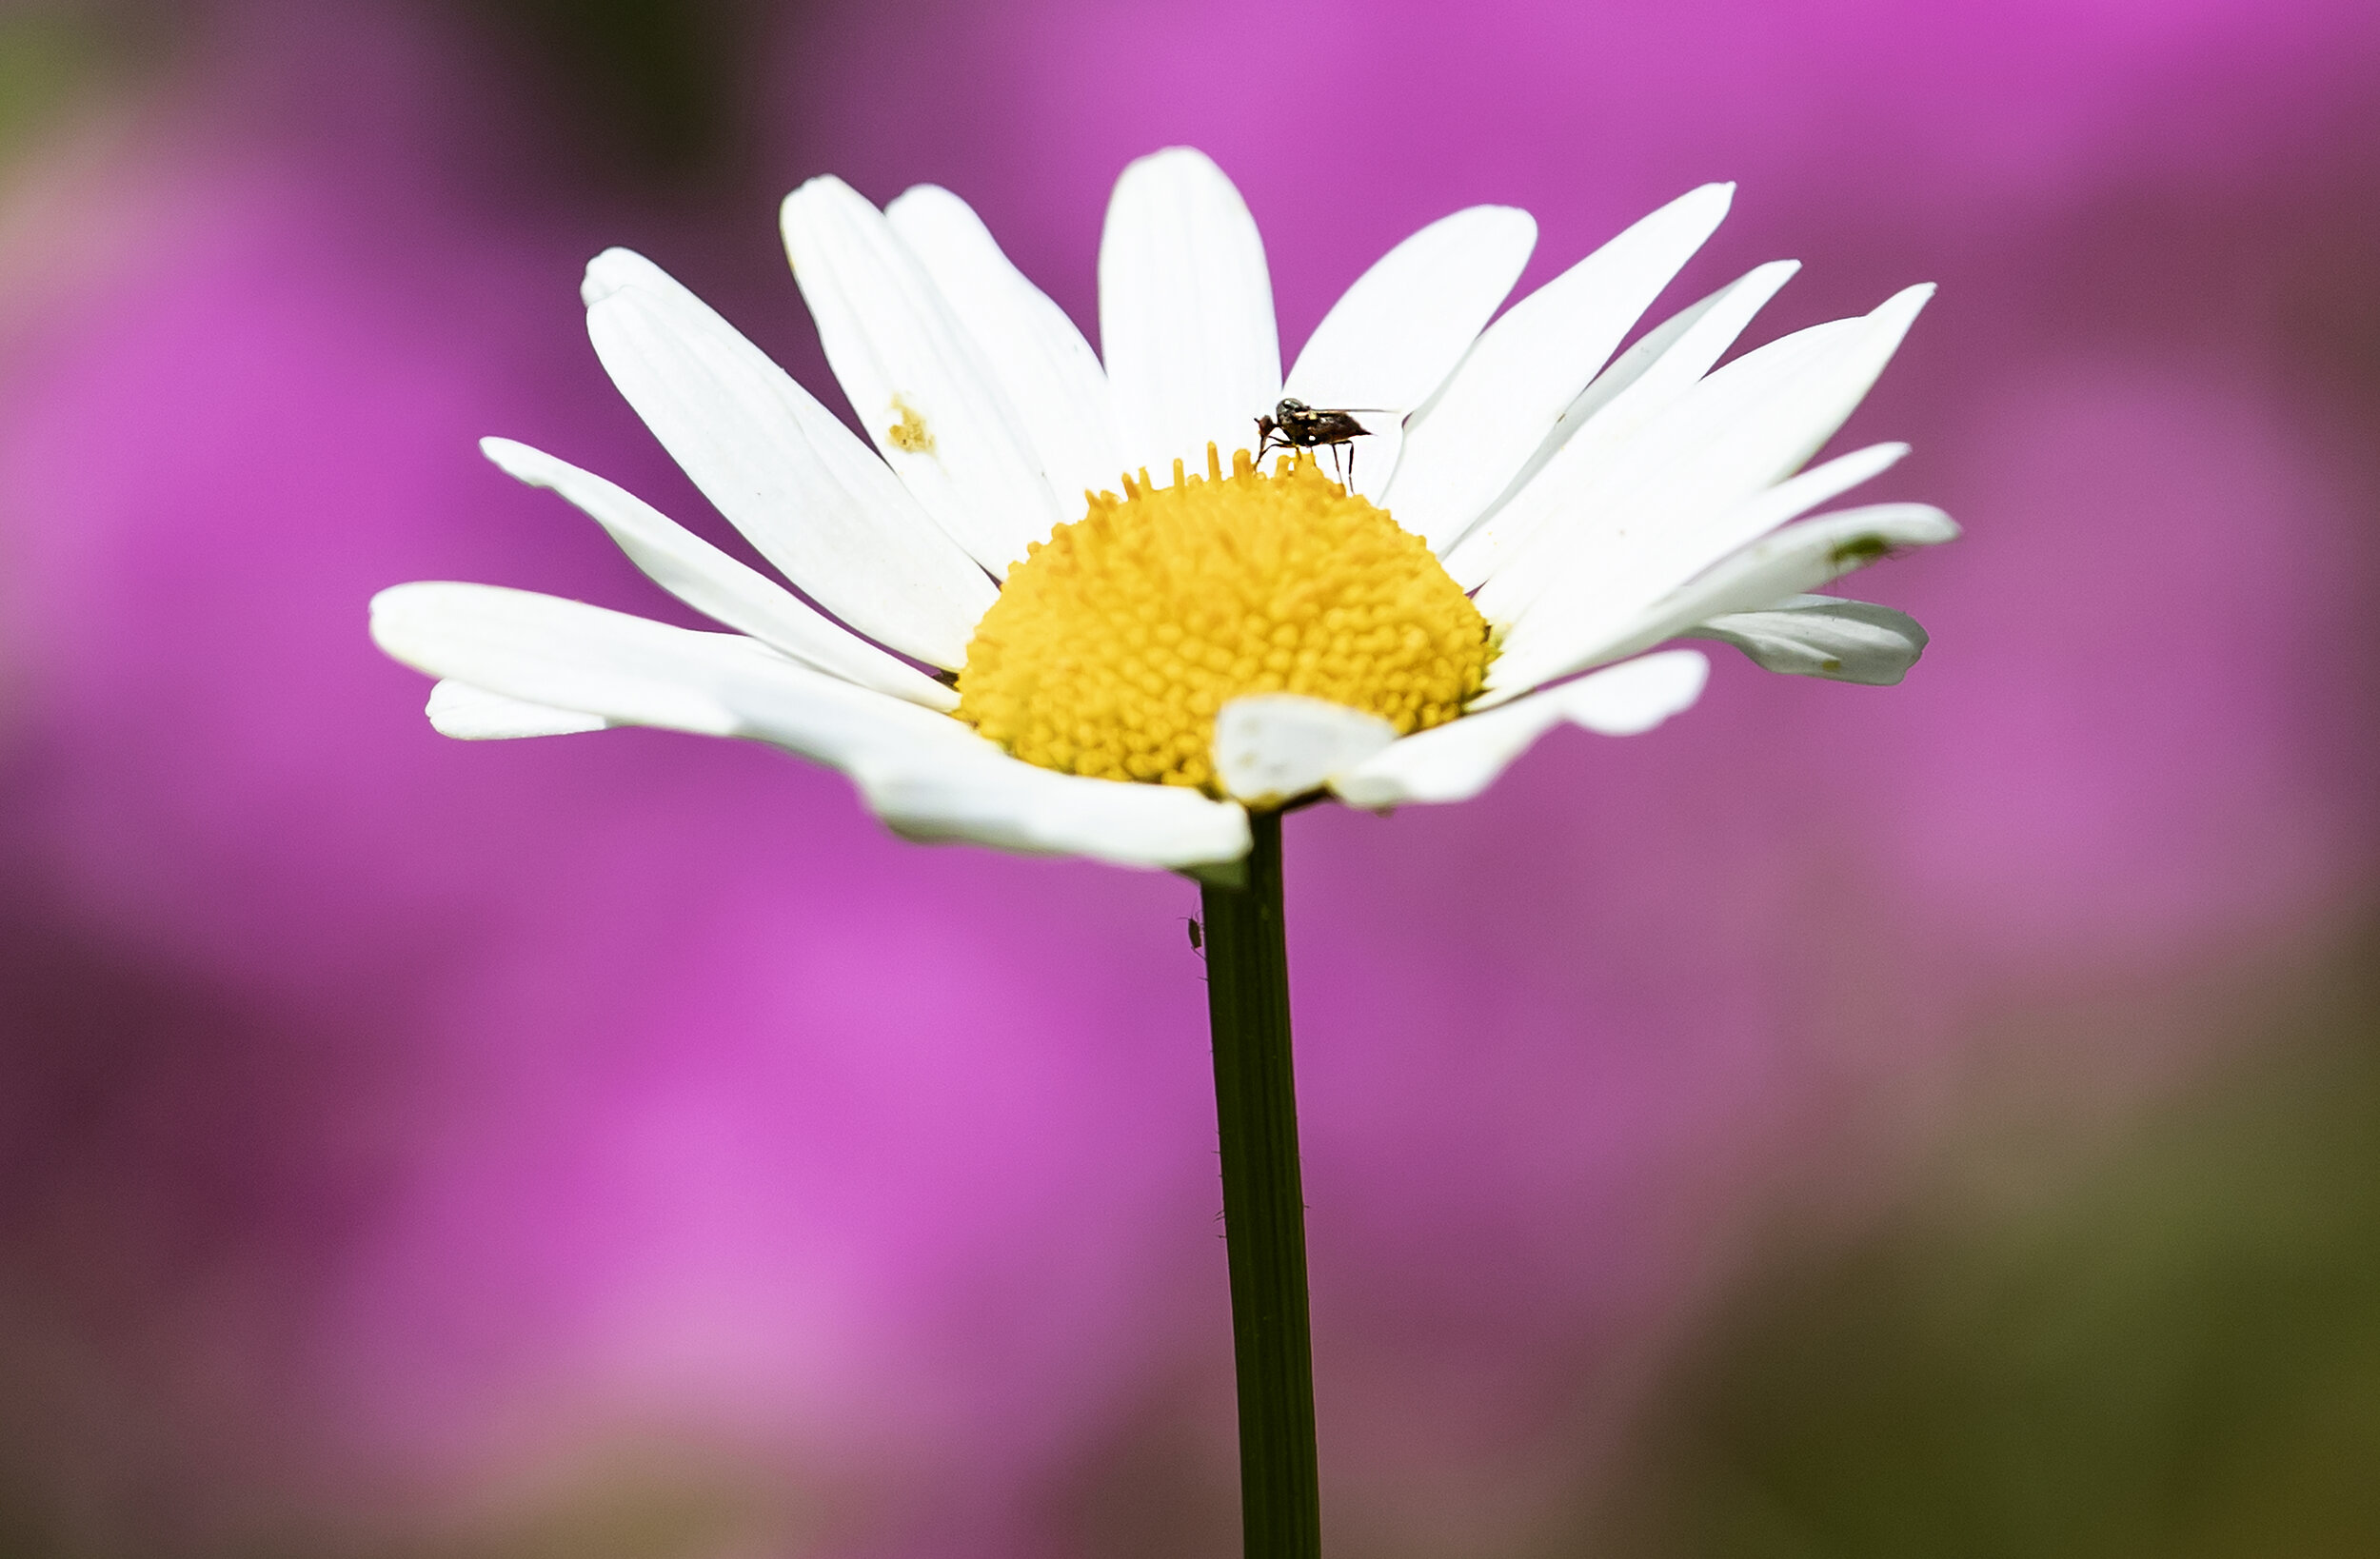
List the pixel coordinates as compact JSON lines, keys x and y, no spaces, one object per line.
{"x":621,"y":1146}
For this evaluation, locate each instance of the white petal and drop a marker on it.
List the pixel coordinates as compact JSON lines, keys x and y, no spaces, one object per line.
{"x":1714,"y":530}
{"x":1390,"y":342}
{"x":1456,"y":762}
{"x":991,"y":798}
{"x":630,"y":671}
{"x":1596,"y":431}
{"x":927,"y":776}
{"x":1185,"y":314}
{"x":716,"y":584}
{"x":1824,"y":636}
{"x":1657,"y":516}
{"x":1656,"y":345}
{"x":1802,"y":556}
{"x":1272,"y":746}
{"x":1563,"y":622}
{"x":914,"y":376}
{"x":1618,"y":375}
{"x":815,"y":500}
{"x":1393,"y":338}
{"x":473,"y":714}
{"x":1632,"y":699}
{"x":1787,"y":563}
{"x":1055,"y":386}
{"x":1464,"y":449}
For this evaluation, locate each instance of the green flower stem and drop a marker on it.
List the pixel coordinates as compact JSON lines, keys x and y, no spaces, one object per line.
{"x":1255,"y":1107}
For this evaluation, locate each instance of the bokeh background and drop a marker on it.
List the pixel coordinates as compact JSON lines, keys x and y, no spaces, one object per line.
{"x":1941,"y":1120}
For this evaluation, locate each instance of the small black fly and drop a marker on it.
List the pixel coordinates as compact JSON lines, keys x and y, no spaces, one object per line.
{"x":1197,"y":934}
{"x":1294,"y":424}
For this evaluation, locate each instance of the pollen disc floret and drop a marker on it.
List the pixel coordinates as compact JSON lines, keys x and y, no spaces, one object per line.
{"x":1113,"y":644}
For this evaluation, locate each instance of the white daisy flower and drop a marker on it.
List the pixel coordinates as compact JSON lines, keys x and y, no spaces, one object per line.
{"x":1124,"y":673}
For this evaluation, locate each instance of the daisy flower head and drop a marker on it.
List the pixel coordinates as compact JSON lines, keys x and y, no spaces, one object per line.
{"x":1069,"y":603}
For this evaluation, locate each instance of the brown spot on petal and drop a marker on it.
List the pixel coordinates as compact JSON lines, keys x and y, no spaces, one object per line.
{"x":1858,"y":550}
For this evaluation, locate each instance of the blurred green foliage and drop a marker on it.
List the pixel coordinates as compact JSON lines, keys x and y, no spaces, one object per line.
{"x":655,"y":91}
{"x":659,"y":85}
{"x":2171,"y":1351}
{"x":48,"y":57}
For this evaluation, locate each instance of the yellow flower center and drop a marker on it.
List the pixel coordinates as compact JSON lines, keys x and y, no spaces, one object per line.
{"x":1114,"y":643}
